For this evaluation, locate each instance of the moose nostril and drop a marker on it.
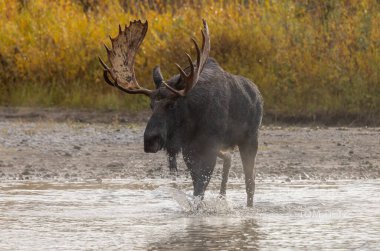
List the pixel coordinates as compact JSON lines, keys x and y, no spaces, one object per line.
{"x":153,"y":143}
{"x":155,"y":138}
{"x":152,"y":137}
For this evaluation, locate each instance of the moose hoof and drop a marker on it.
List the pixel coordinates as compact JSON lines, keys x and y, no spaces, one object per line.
{"x":222,"y":197}
{"x":173,"y":172}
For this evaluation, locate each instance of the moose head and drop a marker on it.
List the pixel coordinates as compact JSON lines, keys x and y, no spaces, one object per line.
{"x":167,"y":102}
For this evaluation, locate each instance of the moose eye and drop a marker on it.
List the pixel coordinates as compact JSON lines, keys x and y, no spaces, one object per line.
{"x":170,"y":106}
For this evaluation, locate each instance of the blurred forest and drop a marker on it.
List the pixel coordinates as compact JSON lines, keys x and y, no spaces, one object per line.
{"x":310,"y":59}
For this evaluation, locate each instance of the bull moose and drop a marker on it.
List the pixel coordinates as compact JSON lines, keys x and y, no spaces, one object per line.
{"x":201,"y":111}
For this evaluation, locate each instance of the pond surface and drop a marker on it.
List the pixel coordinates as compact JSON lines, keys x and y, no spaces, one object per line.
{"x":153,"y":215}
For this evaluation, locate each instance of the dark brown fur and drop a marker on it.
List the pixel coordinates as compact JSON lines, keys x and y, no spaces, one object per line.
{"x":222,"y":111}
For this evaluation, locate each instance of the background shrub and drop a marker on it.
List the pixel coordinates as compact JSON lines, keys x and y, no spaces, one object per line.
{"x":309,"y":58}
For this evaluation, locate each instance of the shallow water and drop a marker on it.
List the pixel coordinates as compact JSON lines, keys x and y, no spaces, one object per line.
{"x":151,"y":215}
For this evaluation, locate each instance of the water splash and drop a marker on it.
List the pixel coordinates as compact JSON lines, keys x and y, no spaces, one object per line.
{"x":212,"y":204}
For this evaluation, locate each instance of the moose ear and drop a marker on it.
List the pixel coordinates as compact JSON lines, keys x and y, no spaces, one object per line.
{"x":179,"y":85}
{"x":157,"y":76}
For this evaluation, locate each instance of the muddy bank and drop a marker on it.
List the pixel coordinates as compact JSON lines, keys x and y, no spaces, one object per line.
{"x":107,"y":116}
{"x":27,"y":114}
{"x":71,"y":151}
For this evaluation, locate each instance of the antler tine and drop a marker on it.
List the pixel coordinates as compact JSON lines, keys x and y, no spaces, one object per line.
{"x":108,"y":81}
{"x":198,"y":51}
{"x":205,"y":26}
{"x":179,"y":93}
{"x":181,"y":72}
{"x":106,"y":70}
{"x":107,"y":49}
{"x":105,"y":67}
{"x":205,"y":44}
{"x":203,"y":39}
{"x":191,"y":65}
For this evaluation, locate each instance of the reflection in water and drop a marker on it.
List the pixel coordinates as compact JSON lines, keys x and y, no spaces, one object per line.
{"x":150,"y":214}
{"x":218,"y":233}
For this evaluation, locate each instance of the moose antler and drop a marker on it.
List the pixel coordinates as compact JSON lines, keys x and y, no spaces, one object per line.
{"x":122,"y":58}
{"x":191,"y":79}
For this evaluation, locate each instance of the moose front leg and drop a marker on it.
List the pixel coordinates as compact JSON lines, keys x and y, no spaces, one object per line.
{"x":172,"y":159}
{"x":201,"y":166}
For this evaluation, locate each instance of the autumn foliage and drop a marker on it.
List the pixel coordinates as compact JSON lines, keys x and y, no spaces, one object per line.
{"x":309,"y":58}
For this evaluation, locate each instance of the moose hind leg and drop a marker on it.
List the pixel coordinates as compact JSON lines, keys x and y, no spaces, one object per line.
{"x":226,"y":157}
{"x":248,"y":152}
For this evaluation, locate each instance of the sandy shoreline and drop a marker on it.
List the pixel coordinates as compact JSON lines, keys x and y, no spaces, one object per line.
{"x":71,"y":151}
